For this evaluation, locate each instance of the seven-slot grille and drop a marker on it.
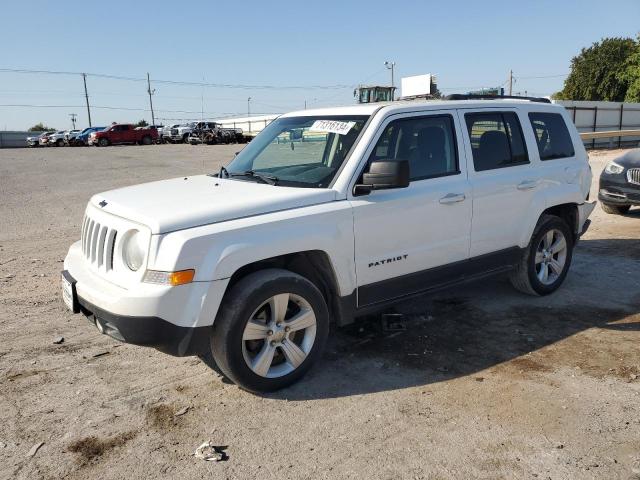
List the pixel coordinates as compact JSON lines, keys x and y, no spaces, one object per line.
{"x":633,"y":175}
{"x":97,"y":243}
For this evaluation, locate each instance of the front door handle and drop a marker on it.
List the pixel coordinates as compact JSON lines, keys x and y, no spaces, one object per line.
{"x":527,"y":185}
{"x":450,"y":198}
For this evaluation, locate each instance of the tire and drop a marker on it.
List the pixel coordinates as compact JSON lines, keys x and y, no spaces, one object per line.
{"x":103,"y":142}
{"x":59,"y":143}
{"x":615,"y":209}
{"x":146,"y":140}
{"x":290,"y":353}
{"x":529,"y":276}
{"x":185,"y":138}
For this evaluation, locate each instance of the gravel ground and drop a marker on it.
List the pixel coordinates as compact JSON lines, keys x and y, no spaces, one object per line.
{"x":484,"y":383}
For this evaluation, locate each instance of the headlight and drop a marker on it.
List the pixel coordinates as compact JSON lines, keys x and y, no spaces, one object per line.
{"x":134,"y":250}
{"x":614,"y":168}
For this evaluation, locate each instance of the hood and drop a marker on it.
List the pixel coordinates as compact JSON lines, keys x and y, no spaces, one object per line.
{"x":186,"y":202}
{"x":631,"y":159}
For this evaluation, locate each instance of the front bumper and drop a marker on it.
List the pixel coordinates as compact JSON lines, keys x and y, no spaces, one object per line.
{"x":175,"y":320}
{"x":148,"y":331}
{"x":615,"y":189}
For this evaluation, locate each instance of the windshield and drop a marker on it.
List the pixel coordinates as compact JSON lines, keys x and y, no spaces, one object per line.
{"x":299,"y":151}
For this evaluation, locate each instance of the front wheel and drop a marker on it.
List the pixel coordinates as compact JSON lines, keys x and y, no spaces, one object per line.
{"x":271,"y":328}
{"x":615,"y":209}
{"x":103,"y":142}
{"x":545,"y":262}
{"x":146,"y":140}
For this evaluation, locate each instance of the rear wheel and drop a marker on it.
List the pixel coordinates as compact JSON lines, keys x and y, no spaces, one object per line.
{"x":545,"y":263}
{"x":615,"y":209}
{"x":271,"y":328}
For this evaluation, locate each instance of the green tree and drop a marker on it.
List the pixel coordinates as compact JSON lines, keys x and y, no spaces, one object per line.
{"x":142,"y":123}
{"x":40,"y":127}
{"x":632,"y":74}
{"x":600,"y":71}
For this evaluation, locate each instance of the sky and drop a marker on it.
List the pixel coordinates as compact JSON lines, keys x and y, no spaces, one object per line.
{"x":262,"y":49}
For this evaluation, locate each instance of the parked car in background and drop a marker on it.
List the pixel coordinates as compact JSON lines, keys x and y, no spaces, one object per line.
{"x":159,"y":129}
{"x":70,"y":135}
{"x":182,"y":132}
{"x":165,"y":134}
{"x":82,"y":138}
{"x":44,"y":138}
{"x":34,"y":140}
{"x":57,"y":139}
{"x":620,"y":183}
{"x":124,"y":133}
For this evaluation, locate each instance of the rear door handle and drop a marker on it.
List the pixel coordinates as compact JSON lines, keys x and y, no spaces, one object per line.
{"x":527,"y":185}
{"x":450,"y":198}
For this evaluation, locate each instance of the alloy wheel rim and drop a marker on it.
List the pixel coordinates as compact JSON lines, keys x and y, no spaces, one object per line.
{"x":279,"y":335}
{"x":551,"y":256}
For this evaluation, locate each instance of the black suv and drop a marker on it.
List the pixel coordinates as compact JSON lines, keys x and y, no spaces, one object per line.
{"x":620,"y":183}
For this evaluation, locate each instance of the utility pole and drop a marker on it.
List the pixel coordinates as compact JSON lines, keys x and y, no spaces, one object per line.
{"x":73,"y":119}
{"x":86,"y":97}
{"x":510,"y":82}
{"x":151,"y":92}
{"x":391,"y":66}
{"x":249,"y":112}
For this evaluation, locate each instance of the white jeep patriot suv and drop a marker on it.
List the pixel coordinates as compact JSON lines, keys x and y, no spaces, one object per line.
{"x":326,"y":215}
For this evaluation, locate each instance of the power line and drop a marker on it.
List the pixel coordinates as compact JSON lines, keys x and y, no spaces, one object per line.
{"x":178,"y":82}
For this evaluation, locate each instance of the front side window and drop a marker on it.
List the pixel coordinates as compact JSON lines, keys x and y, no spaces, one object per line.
{"x":552,"y":136}
{"x":428,"y":143}
{"x":496,"y":140}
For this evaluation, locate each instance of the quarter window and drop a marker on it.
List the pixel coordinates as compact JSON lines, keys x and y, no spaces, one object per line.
{"x":496,"y":140}
{"x":552,"y":136}
{"x":428,"y":143}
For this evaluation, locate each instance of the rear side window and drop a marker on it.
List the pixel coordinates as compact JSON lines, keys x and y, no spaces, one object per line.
{"x":496,"y":140}
{"x":428,"y":143}
{"x":552,"y":136}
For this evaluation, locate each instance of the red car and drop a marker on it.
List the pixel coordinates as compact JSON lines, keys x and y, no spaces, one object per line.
{"x":124,"y":133}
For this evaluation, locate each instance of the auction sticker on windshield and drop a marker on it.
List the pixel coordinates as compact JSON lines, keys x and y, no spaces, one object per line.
{"x":332,"y":126}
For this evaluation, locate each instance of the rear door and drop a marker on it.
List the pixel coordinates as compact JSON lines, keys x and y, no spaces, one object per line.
{"x":502,"y":177}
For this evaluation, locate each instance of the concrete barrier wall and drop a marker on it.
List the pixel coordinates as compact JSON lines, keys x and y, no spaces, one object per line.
{"x":248,"y":124}
{"x":13,"y":139}
{"x":602,"y":116}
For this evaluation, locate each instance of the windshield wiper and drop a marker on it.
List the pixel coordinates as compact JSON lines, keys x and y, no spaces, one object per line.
{"x":263,"y":177}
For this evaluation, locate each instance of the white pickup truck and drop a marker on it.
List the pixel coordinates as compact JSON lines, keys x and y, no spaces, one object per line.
{"x":327,"y":215}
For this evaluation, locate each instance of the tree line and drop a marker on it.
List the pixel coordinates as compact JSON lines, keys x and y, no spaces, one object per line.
{"x":608,"y":70}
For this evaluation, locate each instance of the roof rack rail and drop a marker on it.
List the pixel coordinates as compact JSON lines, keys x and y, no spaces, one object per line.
{"x":465,"y":96}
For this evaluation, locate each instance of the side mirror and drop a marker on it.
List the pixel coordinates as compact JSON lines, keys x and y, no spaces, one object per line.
{"x":384,"y":175}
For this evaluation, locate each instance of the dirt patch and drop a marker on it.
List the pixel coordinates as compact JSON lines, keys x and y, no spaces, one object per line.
{"x":161,"y":417}
{"x":91,"y":448}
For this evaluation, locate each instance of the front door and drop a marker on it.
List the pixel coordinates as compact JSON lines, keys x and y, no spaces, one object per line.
{"x":403,"y":235}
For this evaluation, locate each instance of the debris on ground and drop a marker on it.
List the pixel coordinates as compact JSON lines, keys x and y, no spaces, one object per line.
{"x":58,"y":340}
{"x":393,"y":322}
{"x":182,"y":411}
{"x":100,"y":354}
{"x":211,"y":453}
{"x":3,"y":445}
{"x":35,"y":449}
